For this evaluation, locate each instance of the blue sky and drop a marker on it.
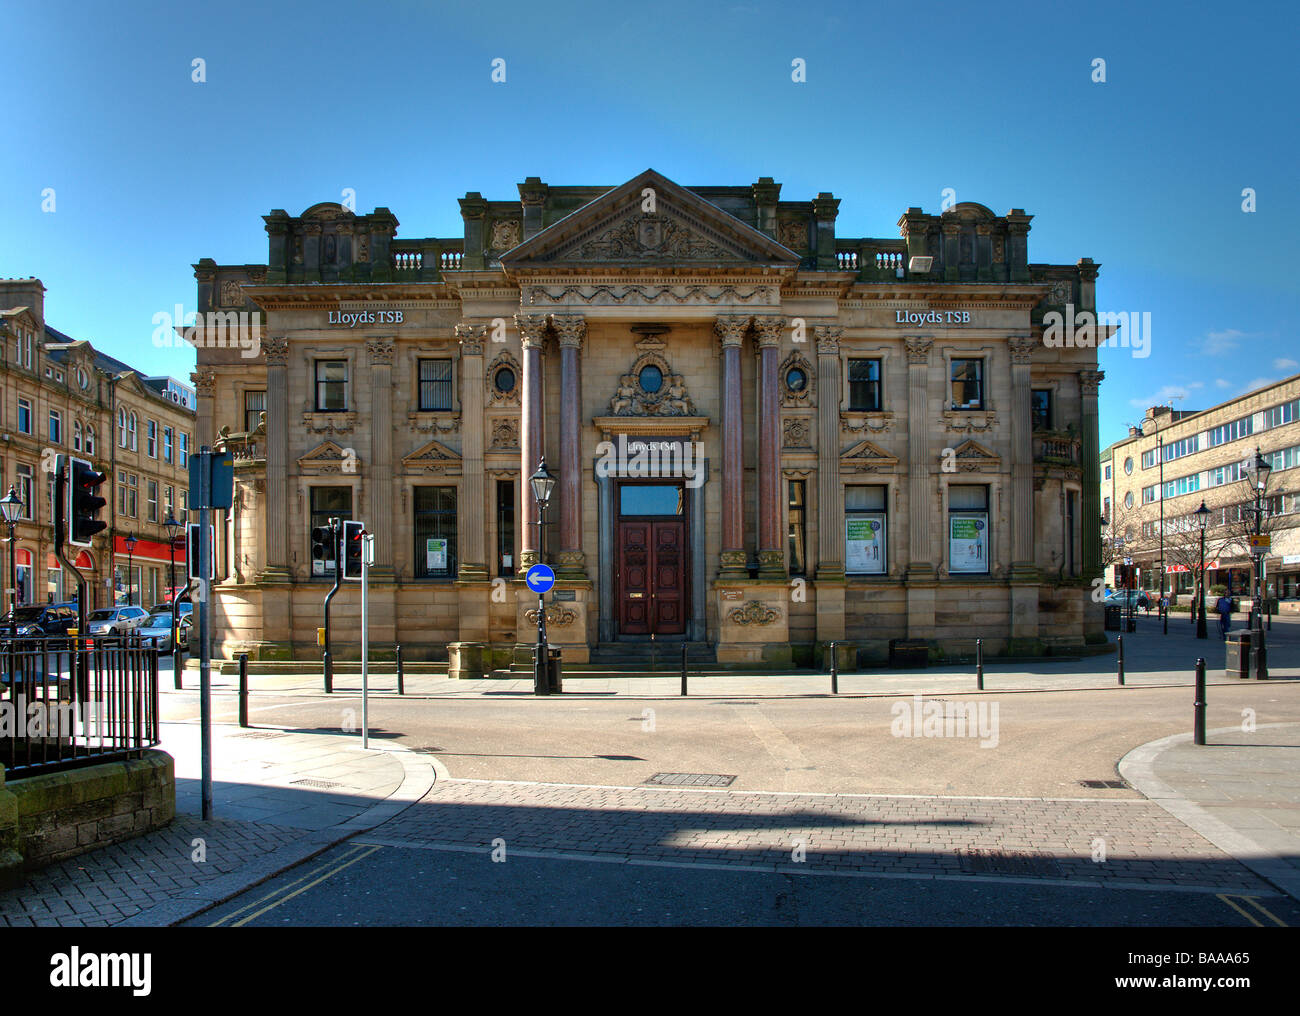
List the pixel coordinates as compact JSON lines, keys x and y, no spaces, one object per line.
{"x":1143,"y":173}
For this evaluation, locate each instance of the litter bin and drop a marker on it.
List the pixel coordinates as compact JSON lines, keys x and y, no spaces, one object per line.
{"x":1238,"y":660}
{"x":554,"y":671}
{"x":1112,"y":617}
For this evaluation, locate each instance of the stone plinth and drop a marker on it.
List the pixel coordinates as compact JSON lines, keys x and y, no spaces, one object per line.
{"x":566,"y":619}
{"x":753,"y":622}
{"x":465,"y":660}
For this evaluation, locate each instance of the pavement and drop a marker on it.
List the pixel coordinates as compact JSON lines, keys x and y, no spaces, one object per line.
{"x":1220,"y":821}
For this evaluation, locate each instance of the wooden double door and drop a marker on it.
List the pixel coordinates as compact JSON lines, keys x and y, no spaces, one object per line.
{"x":652,"y":577}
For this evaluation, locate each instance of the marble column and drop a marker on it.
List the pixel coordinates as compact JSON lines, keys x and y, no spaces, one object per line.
{"x":1023,"y":566}
{"x":1089,"y":383}
{"x":830,"y":497}
{"x":277,"y":458}
{"x":771,"y":555}
{"x":532,"y":444}
{"x":473,"y":549}
{"x":919,"y":454}
{"x":731,"y":332}
{"x":570,"y":328}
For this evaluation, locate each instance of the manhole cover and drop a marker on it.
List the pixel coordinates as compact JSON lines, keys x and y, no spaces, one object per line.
{"x":426,"y":751}
{"x":691,"y":780}
{"x":260,"y":733}
{"x":1104,"y":784}
{"x":975,"y":861}
{"x":321,"y":784}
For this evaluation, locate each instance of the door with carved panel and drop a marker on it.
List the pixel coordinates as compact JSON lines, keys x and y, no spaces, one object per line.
{"x":651,"y":577}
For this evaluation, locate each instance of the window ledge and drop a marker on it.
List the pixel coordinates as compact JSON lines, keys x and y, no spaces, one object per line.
{"x":330,"y":421}
{"x":855,"y":421}
{"x":426,"y":421}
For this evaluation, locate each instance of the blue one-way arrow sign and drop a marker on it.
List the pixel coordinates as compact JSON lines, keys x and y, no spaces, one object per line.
{"x":540,"y":578}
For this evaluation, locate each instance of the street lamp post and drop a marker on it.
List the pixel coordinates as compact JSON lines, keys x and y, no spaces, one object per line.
{"x":11,"y":505}
{"x":1258,"y":471}
{"x":1202,"y":520}
{"x":130,"y":553}
{"x":543,"y":484}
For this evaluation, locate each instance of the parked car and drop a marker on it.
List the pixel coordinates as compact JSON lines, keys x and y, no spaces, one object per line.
{"x":1135,"y":598}
{"x":37,"y":621}
{"x":184,"y":607}
{"x":158,"y":625}
{"x":115,"y":620}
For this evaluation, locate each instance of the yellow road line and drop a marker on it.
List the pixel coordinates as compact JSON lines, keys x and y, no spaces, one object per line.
{"x":1261,"y":908}
{"x":1238,"y":909}
{"x":351,"y":850}
{"x":309,"y":885}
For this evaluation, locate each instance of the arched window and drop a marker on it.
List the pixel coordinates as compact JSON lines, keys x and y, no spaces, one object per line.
{"x":76,"y":436}
{"x":131,"y":429}
{"x":121,"y":428}
{"x":90,"y":440}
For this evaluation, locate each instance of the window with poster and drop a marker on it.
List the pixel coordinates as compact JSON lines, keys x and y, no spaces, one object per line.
{"x":968,"y":529}
{"x":865,"y":529}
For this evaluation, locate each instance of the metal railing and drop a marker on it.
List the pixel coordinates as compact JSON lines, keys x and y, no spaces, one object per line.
{"x":70,"y":701}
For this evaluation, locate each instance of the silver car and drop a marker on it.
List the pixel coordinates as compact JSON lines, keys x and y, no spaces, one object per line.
{"x":115,"y":620}
{"x":158,"y":625}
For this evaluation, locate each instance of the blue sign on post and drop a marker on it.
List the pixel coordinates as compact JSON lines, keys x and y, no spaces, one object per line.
{"x":540,"y":578}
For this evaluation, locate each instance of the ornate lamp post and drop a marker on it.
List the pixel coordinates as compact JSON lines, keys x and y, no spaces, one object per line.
{"x":1202,"y":520}
{"x":130,"y":553}
{"x":12,"y":505}
{"x":1258,"y":472}
{"x":543,"y":485}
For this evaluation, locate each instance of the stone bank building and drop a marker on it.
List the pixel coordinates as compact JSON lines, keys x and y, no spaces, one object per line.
{"x":767,"y":436}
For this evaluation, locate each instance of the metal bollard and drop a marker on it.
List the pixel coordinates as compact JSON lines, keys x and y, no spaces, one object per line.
{"x":654,"y":658}
{"x":683,"y":668}
{"x":1198,"y":719}
{"x":979,"y":664}
{"x":401,"y":676}
{"x":243,"y":689}
{"x":1120,"y":639}
{"x":329,"y":674}
{"x":835,"y":671}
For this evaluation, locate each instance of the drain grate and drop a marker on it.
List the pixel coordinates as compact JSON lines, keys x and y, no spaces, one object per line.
{"x":691,"y":780}
{"x":426,"y":750}
{"x":975,"y":861}
{"x":1104,"y":784}
{"x":261,"y":733}
{"x":321,"y":784}
{"x":1006,"y":862}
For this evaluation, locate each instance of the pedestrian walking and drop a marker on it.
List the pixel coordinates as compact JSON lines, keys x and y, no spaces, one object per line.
{"x":1224,"y":606}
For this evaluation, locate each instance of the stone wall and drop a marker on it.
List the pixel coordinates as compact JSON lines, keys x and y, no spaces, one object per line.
{"x":51,"y":817}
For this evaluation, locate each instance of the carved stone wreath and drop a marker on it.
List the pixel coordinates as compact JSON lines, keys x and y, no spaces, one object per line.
{"x":632,"y":398}
{"x":557,"y":616}
{"x":797,"y":433}
{"x":505,"y":235}
{"x":505,"y":435}
{"x":793,"y":235}
{"x":792,"y":397}
{"x":499,"y":398}
{"x":754,"y":612}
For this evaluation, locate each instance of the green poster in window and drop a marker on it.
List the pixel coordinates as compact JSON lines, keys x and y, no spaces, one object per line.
{"x":435,"y":554}
{"x":968,"y":543}
{"x":864,"y":544}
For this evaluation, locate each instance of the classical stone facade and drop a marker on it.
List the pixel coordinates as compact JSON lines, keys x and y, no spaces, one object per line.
{"x":61,"y":395}
{"x":766,"y":437}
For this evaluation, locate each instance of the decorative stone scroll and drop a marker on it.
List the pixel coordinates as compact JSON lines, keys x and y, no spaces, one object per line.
{"x":755,"y":612}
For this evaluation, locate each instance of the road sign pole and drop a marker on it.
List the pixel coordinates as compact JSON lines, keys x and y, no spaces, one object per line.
{"x":205,"y":650}
{"x":366,"y":550}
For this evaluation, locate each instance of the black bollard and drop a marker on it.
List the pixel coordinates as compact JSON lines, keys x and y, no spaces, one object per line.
{"x":683,"y":668}
{"x":329,"y":674}
{"x":654,"y":656}
{"x":979,"y":664}
{"x":1121,"y":659}
{"x":835,"y":671}
{"x":1198,"y":719}
{"x":243,"y":689}
{"x":401,"y":677}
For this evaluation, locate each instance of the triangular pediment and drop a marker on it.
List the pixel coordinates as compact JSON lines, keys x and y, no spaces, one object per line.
{"x":649,"y":221}
{"x":971,"y":456}
{"x":866,"y":457}
{"x":329,"y":457}
{"x":433,"y":457}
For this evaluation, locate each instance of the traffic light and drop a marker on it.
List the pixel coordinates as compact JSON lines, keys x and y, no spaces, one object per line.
{"x":192,"y":552}
{"x":82,"y":516}
{"x":352,"y":550}
{"x":322,"y":548}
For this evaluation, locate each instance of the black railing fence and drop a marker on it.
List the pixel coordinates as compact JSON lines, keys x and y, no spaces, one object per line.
{"x":69,"y":701}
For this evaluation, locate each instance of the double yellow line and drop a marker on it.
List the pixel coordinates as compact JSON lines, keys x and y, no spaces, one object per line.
{"x":354,"y":853}
{"x":1252,"y":902}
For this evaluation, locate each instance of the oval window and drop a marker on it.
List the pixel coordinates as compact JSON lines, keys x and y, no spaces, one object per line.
{"x":1128,"y":465}
{"x":505,"y":380}
{"x":1128,"y":499}
{"x":651,"y":378}
{"x":796,"y":380}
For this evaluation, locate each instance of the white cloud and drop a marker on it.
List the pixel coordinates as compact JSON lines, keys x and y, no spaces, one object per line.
{"x":1283,"y":363}
{"x":1221,"y":383}
{"x":1218,"y":343}
{"x":1164,"y":396}
{"x":1260,"y":382}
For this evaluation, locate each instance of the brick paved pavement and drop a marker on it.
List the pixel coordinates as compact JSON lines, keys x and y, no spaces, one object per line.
{"x":1052,"y":839}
